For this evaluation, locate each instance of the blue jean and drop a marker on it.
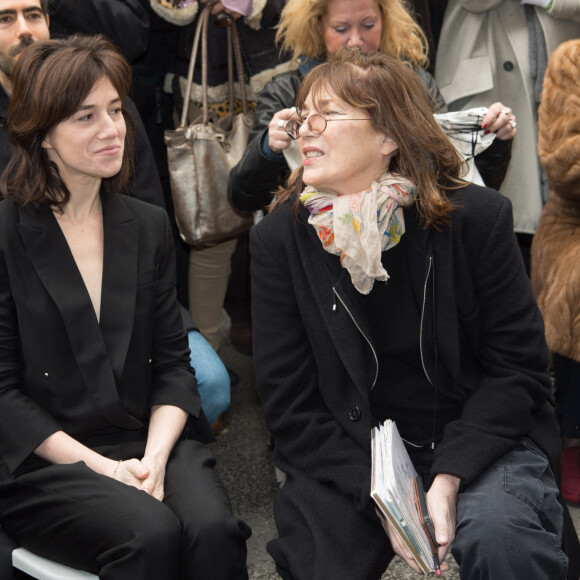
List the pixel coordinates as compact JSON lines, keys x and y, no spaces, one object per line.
{"x":509,"y":521}
{"x":213,"y":381}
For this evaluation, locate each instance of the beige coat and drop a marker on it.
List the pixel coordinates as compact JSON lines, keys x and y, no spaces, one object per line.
{"x":482,"y":58}
{"x":556,"y":247}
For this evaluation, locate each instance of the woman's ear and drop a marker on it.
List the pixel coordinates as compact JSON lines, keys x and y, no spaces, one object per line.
{"x":388,"y":146}
{"x":46,"y":144}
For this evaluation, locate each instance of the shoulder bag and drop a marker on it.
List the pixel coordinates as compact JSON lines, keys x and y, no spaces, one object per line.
{"x":201,"y":154}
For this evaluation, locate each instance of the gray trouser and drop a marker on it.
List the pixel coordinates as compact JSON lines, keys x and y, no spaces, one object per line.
{"x":509,"y":527}
{"x":509,"y":521}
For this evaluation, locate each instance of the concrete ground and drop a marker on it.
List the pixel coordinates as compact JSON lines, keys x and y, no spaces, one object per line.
{"x":245,"y":465}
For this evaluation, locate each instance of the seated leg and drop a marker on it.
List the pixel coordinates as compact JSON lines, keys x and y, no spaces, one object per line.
{"x":74,"y":516}
{"x":213,"y":540}
{"x":509,"y":521}
{"x":213,"y":381}
{"x":322,"y":535}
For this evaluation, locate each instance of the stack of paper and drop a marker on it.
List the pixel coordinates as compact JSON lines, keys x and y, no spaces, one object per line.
{"x":393,"y":490}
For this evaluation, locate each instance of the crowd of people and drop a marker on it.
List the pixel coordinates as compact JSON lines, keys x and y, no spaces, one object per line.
{"x":379,"y":283}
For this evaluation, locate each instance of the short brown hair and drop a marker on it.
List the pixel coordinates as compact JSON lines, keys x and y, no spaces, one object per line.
{"x":398,"y":104}
{"x":50,"y":81}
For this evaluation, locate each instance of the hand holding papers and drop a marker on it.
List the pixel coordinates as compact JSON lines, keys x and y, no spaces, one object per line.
{"x":398,"y":492}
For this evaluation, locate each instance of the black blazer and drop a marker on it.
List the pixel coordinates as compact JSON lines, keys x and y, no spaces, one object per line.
{"x":60,"y":369}
{"x":481,"y":330}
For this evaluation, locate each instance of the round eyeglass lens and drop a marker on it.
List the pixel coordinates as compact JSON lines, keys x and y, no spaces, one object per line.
{"x":293,"y":129}
{"x":317,"y":123}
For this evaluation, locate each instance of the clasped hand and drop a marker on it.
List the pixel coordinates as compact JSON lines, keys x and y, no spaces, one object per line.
{"x":143,"y":474}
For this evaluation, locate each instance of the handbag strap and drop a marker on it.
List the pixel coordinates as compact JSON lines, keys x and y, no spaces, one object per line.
{"x":233,"y":46}
{"x":203,"y":17}
{"x":235,"y":40}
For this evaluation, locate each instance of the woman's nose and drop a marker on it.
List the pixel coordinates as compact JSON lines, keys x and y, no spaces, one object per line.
{"x":355,"y":40}
{"x":108,"y":128}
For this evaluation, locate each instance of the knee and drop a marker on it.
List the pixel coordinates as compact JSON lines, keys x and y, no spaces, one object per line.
{"x":213,"y":384}
{"x":491,"y":529}
{"x":146,"y":545}
{"x":158,"y":537}
{"x":217,"y":401}
{"x":490,"y":545}
{"x":215,"y":548}
{"x":219,"y":532}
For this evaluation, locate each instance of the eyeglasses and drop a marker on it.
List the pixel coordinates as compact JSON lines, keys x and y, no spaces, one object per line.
{"x":316,"y":123}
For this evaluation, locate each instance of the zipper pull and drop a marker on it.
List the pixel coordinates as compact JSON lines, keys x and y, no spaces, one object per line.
{"x":334,"y":303}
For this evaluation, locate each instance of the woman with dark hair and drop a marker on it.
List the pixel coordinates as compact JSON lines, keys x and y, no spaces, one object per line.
{"x":102,"y":462}
{"x":385,"y":287}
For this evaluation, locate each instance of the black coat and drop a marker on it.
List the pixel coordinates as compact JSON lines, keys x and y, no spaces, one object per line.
{"x":481,"y":335}
{"x":60,"y":368}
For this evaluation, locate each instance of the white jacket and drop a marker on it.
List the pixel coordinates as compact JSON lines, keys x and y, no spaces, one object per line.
{"x":483,"y":57}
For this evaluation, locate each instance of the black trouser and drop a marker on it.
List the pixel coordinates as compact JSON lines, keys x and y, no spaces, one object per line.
{"x":72,"y":515}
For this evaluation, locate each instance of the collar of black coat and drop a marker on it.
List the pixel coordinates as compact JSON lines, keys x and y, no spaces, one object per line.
{"x":100,"y":347}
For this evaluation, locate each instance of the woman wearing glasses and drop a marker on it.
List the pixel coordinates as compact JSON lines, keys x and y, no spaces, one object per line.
{"x":313,"y":30}
{"x":385,"y":287}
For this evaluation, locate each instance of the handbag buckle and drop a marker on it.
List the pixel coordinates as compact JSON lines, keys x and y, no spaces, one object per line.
{"x":224,"y":142}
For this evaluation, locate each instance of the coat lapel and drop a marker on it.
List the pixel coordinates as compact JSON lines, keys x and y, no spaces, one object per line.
{"x":119,"y":279}
{"x":338,"y":301}
{"x":56,"y":268}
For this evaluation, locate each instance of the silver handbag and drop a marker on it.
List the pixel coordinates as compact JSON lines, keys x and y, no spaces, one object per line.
{"x":202,"y":153}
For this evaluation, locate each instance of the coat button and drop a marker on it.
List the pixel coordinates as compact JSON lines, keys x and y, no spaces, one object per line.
{"x":354,"y":413}
{"x":508,"y":66}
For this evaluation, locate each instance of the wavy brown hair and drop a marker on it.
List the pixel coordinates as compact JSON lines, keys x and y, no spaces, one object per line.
{"x":50,"y":81}
{"x":401,"y":36}
{"x":398,"y":104}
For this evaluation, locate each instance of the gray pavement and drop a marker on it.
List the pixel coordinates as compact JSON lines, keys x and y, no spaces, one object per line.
{"x":245,"y":465}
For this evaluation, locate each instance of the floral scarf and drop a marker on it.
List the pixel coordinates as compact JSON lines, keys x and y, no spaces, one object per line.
{"x":358,"y":227}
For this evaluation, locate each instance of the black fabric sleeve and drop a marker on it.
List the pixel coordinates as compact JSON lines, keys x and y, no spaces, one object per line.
{"x":255,"y":178}
{"x":124,"y":22}
{"x":145,"y":184}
